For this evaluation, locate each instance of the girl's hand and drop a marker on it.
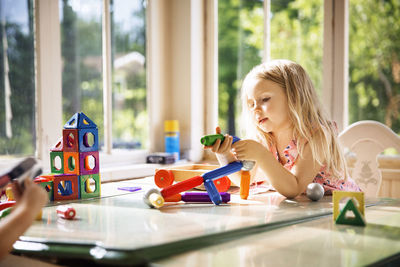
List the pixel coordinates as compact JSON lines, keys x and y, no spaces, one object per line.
{"x":219,"y":147}
{"x":248,"y":150}
{"x":32,"y":197}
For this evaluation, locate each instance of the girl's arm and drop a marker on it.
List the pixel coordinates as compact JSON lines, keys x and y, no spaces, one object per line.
{"x":24,"y":212}
{"x":289,"y":184}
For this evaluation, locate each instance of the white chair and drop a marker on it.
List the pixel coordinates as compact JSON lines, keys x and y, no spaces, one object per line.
{"x":367,"y":139}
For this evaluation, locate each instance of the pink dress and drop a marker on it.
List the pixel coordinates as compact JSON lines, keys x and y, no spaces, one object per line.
{"x":324,"y":178}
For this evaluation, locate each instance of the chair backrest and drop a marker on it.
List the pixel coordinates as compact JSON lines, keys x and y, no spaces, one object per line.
{"x":367,"y":139}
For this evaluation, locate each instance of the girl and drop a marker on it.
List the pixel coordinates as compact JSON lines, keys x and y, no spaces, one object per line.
{"x":291,"y":139}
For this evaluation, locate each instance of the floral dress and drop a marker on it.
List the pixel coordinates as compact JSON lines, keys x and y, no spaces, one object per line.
{"x":324,"y":178}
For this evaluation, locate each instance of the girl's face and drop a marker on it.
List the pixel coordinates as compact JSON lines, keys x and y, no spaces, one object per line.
{"x":267,"y":102}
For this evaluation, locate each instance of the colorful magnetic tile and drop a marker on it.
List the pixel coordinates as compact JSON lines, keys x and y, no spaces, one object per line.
{"x":71,"y":163}
{"x":70,"y":140}
{"x":85,"y":186}
{"x":79,"y":121}
{"x":66,"y":187}
{"x":130,"y":188}
{"x":57,"y":158}
{"x":338,"y":195}
{"x":49,"y":187}
{"x":89,"y":162}
{"x":59,"y":146}
{"x":358,"y":218}
{"x":88,"y":139}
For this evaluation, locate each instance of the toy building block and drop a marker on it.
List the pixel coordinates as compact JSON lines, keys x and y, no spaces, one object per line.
{"x":9,"y":193}
{"x":66,"y":212}
{"x":166,"y":176}
{"x":194,"y":197}
{"x":85,"y":165}
{"x":70,"y":140}
{"x":46,"y":182}
{"x":207,"y":178}
{"x":24,"y":169}
{"x":5,"y":212}
{"x":358,"y":218}
{"x":85,"y":190}
{"x":54,"y":155}
{"x":181,"y":186}
{"x":223,"y":171}
{"x":72,"y":163}
{"x":338,"y":195}
{"x":6,"y":205}
{"x":153,"y":198}
{"x":79,"y":121}
{"x":86,"y":145}
{"x":39,"y":215}
{"x":66,"y":187}
{"x":59,"y":146}
{"x":244,"y":184}
{"x":209,"y":140}
{"x":212,"y":192}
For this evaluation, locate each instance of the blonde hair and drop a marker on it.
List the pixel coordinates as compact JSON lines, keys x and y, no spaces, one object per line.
{"x":310,"y":123}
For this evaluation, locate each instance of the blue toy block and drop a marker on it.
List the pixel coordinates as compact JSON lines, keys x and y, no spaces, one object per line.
{"x":223,"y":171}
{"x":213,"y":192}
{"x":84,"y":145}
{"x":79,"y":121}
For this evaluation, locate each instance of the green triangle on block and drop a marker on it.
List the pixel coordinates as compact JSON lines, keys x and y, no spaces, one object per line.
{"x":79,"y":121}
{"x":357,"y":220}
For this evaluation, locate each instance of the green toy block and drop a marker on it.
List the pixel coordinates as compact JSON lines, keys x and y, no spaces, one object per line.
{"x":53,"y":156}
{"x":49,"y":187}
{"x":209,"y":140}
{"x":5,"y":212}
{"x":358,"y":220}
{"x":85,"y":190}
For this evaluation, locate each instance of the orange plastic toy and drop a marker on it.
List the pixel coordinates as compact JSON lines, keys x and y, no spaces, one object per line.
{"x":166,"y":176}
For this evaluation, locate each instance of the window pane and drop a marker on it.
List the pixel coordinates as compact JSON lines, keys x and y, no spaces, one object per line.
{"x":240,"y":47}
{"x":130,"y":120}
{"x":17,"y":82}
{"x":81,"y":49}
{"x":374,"y":55}
{"x":297,"y":34}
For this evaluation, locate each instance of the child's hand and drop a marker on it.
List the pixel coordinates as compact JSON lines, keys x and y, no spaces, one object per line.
{"x":32,"y":197}
{"x":248,"y":150}
{"x":221,"y":148}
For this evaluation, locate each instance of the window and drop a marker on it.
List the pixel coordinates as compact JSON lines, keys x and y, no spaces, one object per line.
{"x":374,"y":62}
{"x":297,"y":34}
{"x":240,"y":47}
{"x":81,"y":50}
{"x":130,"y":118}
{"x":17,"y":80}
{"x":82,"y":55}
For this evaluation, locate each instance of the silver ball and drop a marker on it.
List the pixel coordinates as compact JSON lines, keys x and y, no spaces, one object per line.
{"x":315,"y":191}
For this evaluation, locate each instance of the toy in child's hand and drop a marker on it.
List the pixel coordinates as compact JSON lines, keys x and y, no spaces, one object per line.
{"x":209,"y":140}
{"x":315,"y":191}
{"x":27,"y":168}
{"x":66,"y":212}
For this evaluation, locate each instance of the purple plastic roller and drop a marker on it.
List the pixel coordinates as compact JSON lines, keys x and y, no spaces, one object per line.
{"x":203,"y":197}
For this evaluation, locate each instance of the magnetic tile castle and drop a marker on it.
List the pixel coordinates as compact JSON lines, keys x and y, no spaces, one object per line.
{"x":74,"y":162}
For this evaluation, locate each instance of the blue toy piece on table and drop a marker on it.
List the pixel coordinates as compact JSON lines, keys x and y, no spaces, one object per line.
{"x":208,"y":177}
